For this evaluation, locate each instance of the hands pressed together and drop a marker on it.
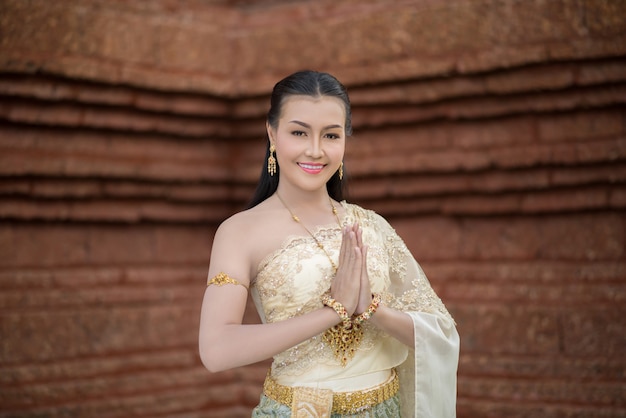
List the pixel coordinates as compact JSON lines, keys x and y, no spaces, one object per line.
{"x":351,"y":286}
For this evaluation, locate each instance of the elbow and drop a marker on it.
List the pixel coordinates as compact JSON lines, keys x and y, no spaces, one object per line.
{"x":211,"y":360}
{"x":212,"y":366}
{"x":210,"y":363}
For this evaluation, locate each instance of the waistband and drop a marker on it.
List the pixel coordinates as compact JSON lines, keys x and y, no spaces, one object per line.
{"x":343,"y":402}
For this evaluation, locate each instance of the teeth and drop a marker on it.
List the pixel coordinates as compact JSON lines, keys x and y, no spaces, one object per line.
{"x":311,"y":166}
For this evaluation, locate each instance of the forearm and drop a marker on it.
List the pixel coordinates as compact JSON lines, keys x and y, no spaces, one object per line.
{"x":234,"y":345}
{"x":395,"y":323}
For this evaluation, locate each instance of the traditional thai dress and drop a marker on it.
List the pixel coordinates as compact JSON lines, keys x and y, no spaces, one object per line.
{"x":290,"y":282}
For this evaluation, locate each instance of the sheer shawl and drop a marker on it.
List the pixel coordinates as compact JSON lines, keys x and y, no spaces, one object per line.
{"x":291,"y":280}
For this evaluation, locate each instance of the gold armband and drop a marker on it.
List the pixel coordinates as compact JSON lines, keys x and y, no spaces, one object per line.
{"x":221,"y":279}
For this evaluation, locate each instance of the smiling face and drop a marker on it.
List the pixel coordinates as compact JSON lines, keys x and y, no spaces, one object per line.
{"x":309,"y":140}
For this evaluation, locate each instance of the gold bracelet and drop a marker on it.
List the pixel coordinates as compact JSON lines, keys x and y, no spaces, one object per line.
{"x":359,"y":319}
{"x":327,"y":300}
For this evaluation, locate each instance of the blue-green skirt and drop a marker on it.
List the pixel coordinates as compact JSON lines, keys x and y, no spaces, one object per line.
{"x":270,"y":408}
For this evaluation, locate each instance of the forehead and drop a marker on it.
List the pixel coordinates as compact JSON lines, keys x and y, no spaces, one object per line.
{"x":322,"y":109}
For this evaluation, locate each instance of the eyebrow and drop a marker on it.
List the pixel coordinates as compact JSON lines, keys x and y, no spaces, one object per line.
{"x":306,"y":125}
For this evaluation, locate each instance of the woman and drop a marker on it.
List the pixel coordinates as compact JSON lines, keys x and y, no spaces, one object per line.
{"x":351,"y":322}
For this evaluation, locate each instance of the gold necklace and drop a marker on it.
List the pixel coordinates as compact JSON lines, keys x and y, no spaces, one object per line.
{"x":319,"y":244}
{"x":343,"y":341}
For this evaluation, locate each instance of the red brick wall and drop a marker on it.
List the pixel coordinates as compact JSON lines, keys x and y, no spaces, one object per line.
{"x":490,"y":133}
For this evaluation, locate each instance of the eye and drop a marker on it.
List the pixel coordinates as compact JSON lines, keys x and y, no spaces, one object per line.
{"x":298,"y":133}
{"x":332,"y":136}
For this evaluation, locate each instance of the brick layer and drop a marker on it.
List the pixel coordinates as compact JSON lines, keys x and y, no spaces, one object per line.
{"x":490,"y":133}
{"x":214,"y":48}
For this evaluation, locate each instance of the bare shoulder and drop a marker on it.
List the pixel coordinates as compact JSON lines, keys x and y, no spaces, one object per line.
{"x":235,"y":233}
{"x":229,"y":253}
{"x":261,"y":230}
{"x":233,"y":226}
{"x":243,"y":239}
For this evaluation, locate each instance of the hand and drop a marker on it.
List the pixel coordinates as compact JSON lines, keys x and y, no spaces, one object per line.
{"x":345,"y":287}
{"x":365,"y":292}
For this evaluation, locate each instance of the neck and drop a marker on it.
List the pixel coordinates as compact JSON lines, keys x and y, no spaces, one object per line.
{"x":301,"y":199}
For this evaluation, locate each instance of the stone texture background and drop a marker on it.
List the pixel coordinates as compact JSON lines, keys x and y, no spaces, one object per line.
{"x":491,"y":133}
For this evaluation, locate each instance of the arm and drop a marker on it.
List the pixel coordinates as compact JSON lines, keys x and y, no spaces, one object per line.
{"x":224,"y":342}
{"x":395,"y":323}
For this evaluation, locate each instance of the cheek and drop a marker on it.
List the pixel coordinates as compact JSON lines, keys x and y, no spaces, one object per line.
{"x":287,"y":151}
{"x":337,"y":151}
{"x":284,"y":146}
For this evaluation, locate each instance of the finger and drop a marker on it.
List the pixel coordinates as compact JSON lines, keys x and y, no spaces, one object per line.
{"x":354,"y":255}
{"x":357,"y":277}
{"x":345,"y":244}
{"x":343,"y":250}
{"x":364,"y":275}
{"x":357,"y":268}
{"x":350,"y":242}
{"x":347,"y":258}
{"x":359,"y":234}
{"x":364,"y":250}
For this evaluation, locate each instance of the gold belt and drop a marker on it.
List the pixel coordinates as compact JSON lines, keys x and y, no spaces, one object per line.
{"x":343,"y":402}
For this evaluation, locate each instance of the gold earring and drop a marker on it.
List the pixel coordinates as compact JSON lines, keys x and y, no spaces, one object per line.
{"x":341,"y":171}
{"x":271,"y":161}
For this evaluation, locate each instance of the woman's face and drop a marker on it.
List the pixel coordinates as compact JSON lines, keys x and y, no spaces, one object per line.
{"x":310,"y":140}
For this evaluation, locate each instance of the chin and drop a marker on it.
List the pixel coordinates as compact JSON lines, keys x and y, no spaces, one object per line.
{"x":311,"y":186}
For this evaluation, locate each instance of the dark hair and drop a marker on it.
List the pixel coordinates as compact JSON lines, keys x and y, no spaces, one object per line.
{"x":302,"y":83}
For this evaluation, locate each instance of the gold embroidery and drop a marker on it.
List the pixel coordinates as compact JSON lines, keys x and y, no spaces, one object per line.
{"x":221,"y":279}
{"x":419,"y":296}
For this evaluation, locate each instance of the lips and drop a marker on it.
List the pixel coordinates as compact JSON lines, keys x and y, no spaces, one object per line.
{"x":311,"y":168}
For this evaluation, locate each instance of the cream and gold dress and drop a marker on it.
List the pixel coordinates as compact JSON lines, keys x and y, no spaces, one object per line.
{"x":290,"y":282}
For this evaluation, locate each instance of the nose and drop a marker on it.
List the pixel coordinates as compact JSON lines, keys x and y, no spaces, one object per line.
{"x":314,"y":148}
